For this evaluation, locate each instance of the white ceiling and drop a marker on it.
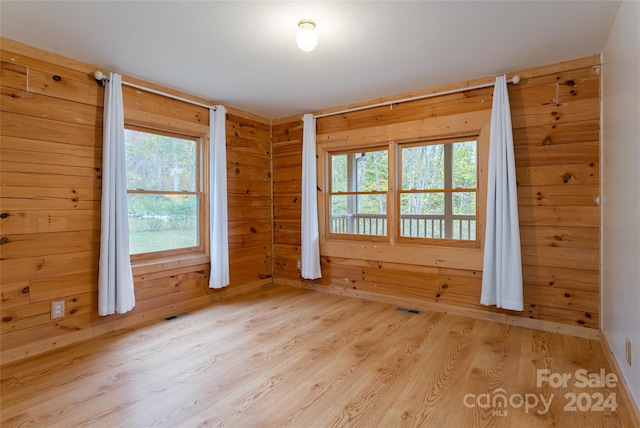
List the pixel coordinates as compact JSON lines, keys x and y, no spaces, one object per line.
{"x":243,"y":54}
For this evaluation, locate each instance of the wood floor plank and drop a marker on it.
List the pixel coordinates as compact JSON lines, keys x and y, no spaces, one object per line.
{"x":289,"y":357}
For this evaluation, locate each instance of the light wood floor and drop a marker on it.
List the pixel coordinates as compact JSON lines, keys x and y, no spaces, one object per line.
{"x":297,"y":358}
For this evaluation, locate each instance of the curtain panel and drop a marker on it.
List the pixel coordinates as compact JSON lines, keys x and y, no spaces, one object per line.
{"x":115,"y":280}
{"x":218,"y":216}
{"x":502,"y":269}
{"x":310,"y":233}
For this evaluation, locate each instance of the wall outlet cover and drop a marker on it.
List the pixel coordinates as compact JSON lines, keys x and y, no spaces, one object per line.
{"x":57,"y":309}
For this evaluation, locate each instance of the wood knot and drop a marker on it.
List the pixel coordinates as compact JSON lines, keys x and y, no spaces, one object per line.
{"x":547,"y":141}
{"x":551,"y":283}
{"x":247,"y":191}
{"x":269,"y":174}
{"x":56,"y":78}
{"x":558,"y":237}
{"x":588,"y":315}
{"x":7,"y":319}
{"x":570,"y":83}
{"x":237,"y":170}
{"x":445,"y":286}
{"x":4,"y":240}
{"x":4,"y":215}
{"x":567,"y":177}
{"x":295,"y":200}
{"x":253,"y":230}
{"x":581,"y":322}
{"x":567,"y":295}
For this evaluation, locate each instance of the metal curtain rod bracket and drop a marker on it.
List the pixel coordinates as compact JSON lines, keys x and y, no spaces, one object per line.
{"x":101,"y":79}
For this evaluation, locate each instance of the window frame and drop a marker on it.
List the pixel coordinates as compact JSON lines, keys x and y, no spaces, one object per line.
{"x":330,"y":193}
{"x":439,"y":257}
{"x":447,"y":141}
{"x":201,"y":189}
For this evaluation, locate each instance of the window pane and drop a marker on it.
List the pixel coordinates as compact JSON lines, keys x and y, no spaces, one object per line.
{"x":422,"y":203}
{"x":359,"y":214}
{"x":159,"y":162}
{"x":162,"y":222}
{"x":464,"y":216}
{"x":422,"y":215}
{"x":464,"y":203}
{"x":423,"y":167}
{"x":464,"y":229}
{"x":372,"y":171}
{"x":464,"y":165}
{"x":360,"y":172}
{"x":339,"y":173}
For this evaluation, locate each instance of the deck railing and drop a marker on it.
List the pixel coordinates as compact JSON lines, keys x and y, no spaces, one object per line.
{"x":416,"y":226}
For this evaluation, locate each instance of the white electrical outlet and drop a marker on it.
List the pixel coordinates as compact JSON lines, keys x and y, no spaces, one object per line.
{"x":628,"y":350}
{"x":57,"y":309}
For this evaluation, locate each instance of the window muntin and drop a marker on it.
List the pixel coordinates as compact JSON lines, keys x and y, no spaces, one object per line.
{"x":438,"y":183}
{"x":358,"y":193}
{"x":164,"y":191}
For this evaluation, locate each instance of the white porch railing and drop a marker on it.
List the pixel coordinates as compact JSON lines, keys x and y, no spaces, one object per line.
{"x":461,"y":227}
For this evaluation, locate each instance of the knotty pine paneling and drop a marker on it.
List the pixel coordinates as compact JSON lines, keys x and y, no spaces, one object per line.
{"x":556,"y":119}
{"x":50,"y":171}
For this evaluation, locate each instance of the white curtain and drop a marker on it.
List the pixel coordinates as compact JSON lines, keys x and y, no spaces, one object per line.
{"x":115,"y":280}
{"x":502,"y":270}
{"x":218,"y":227}
{"x":310,"y":234}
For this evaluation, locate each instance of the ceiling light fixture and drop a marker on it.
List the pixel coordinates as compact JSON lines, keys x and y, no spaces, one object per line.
{"x":307,"y":38}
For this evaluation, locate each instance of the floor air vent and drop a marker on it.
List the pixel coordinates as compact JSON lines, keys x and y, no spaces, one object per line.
{"x":409,"y":311}
{"x":173,"y":317}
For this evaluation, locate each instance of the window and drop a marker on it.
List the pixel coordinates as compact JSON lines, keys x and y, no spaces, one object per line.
{"x":358,"y":194}
{"x":164,"y":191}
{"x":438,"y":186}
{"x":436,"y":196}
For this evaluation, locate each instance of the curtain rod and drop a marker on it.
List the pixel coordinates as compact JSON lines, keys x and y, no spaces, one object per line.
{"x":515,"y":80}
{"x":101,"y":79}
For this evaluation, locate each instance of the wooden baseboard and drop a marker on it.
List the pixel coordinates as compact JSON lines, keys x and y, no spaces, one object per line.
{"x":536,"y":324}
{"x":623,"y":388}
{"x":134,"y":320}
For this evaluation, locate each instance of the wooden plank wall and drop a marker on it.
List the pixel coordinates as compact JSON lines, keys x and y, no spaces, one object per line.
{"x":556,"y":119}
{"x":50,"y":167}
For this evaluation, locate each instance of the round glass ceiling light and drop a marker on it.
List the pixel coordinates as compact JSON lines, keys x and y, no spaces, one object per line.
{"x":307,"y":39}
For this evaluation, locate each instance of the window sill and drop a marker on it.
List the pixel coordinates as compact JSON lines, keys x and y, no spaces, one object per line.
{"x":168,"y":263}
